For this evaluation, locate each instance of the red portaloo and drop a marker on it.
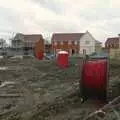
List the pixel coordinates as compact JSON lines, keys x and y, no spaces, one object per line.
{"x":62,"y":59}
{"x":40,"y":55}
{"x":95,"y":74}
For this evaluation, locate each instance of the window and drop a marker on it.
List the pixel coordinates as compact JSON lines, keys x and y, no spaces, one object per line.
{"x":72,"y":42}
{"x":65,"y":42}
{"x":107,"y":45}
{"x":58,"y":42}
{"x":114,"y":45}
{"x":55,"y":43}
{"x":111,"y":45}
{"x":87,"y":42}
{"x":61,"y":42}
{"x":76,"y":42}
{"x":69,"y":42}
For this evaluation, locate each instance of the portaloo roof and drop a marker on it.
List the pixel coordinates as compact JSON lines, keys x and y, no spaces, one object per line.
{"x":62,"y":52}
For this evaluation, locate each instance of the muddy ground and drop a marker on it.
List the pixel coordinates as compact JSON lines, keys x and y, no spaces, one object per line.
{"x":39,"y":90}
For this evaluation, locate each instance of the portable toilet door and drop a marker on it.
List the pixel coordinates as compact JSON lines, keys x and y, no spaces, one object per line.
{"x":62,"y":59}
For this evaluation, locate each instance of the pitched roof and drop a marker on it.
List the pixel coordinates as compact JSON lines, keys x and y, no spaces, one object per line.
{"x":32,"y":37}
{"x":112,"y":40}
{"x":67,"y":36}
{"x":98,"y":42}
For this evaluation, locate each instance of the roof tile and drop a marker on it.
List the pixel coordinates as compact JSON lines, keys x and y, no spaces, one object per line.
{"x":66,"y":36}
{"x":32,"y":38}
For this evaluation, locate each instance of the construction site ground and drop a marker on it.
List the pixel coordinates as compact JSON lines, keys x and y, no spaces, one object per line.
{"x":39,"y":90}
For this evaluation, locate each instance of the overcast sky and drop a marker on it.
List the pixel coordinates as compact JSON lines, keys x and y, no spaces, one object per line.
{"x":100,"y":17}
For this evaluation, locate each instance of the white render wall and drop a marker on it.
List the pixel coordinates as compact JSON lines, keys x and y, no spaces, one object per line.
{"x":90,"y":48}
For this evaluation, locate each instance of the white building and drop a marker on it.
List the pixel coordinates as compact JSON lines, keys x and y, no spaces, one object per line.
{"x":87,"y":42}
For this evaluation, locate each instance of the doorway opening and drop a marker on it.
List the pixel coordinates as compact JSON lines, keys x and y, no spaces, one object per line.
{"x":73,"y":51}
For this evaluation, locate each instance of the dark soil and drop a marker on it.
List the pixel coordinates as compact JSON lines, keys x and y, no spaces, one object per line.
{"x":43,"y":91}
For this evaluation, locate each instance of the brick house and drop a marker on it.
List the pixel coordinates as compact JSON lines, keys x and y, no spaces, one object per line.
{"x":74,"y":43}
{"x":112,"y":43}
{"x":25,"y":44}
{"x":31,"y":40}
{"x":113,"y":46}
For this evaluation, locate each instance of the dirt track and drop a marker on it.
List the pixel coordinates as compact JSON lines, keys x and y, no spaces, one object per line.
{"x":43,"y":91}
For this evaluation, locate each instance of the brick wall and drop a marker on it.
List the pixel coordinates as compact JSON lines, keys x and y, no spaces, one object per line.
{"x":66,"y":46}
{"x":114,"y":53}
